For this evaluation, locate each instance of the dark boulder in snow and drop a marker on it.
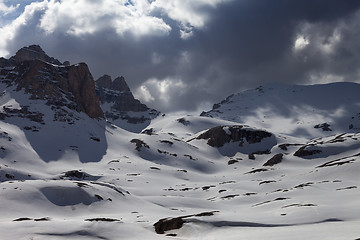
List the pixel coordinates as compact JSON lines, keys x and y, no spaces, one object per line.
{"x":220,"y":135}
{"x":277,"y":158}
{"x":303,"y":152}
{"x":168,"y":224}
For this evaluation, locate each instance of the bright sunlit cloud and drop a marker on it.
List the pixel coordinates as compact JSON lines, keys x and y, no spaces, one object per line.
{"x":6,"y":9}
{"x":300,"y":43}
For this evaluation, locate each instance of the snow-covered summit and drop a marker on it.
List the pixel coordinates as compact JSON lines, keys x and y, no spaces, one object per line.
{"x":301,"y":111}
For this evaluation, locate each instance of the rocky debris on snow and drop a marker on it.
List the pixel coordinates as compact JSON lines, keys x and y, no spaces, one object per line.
{"x":78,"y":175}
{"x":102,"y":220}
{"x":303,"y":152}
{"x":139,"y":143}
{"x":75,"y":174}
{"x":23,"y":112}
{"x":183,"y":121}
{"x":257,"y":170}
{"x":270,"y":201}
{"x":167,"y":224}
{"x":232,"y":161}
{"x":29,"y":219}
{"x":286,"y":145}
{"x":277,"y":158}
{"x":149,"y":131}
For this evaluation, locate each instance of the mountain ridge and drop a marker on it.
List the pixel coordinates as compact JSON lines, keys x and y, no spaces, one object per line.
{"x":307,"y":110}
{"x":265,"y":163}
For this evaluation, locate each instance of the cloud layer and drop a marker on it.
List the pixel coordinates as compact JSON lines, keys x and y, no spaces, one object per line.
{"x":181,"y":54}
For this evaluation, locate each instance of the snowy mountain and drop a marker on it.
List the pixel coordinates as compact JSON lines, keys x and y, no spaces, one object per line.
{"x":300,"y":111}
{"x":263,"y":164}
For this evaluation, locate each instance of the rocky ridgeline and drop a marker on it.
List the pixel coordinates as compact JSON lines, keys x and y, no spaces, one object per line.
{"x":72,"y":86}
{"x":117,"y":93}
{"x":47,"y":79}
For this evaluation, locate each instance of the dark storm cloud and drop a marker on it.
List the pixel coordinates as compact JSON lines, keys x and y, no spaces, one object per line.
{"x":243,"y":44}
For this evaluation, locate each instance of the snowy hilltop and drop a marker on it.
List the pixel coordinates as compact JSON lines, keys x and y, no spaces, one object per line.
{"x":83,"y":159}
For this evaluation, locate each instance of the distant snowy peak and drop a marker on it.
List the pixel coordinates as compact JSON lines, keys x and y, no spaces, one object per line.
{"x":301,"y":111}
{"x":120,"y":106}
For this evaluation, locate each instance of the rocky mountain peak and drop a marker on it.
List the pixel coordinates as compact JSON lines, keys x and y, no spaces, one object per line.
{"x":118,"y":93}
{"x":33,"y":52}
{"x":104,"y":82}
{"x":119,"y":83}
{"x":45,"y":78}
{"x":119,"y":103}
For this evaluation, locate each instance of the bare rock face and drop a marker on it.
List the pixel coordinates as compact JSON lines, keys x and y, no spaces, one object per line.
{"x":33,"y":52}
{"x":217,"y":136}
{"x":71,"y":86}
{"x":118,"y":94}
{"x":82,"y":85}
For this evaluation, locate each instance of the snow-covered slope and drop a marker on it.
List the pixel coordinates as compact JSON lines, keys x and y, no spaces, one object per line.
{"x":142,"y":178}
{"x":65,"y":175}
{"x":300,"y":111}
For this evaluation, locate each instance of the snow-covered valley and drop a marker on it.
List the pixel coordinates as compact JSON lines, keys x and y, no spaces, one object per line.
{"x":245,"y":170}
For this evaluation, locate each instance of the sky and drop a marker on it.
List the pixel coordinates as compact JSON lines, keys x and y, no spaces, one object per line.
{"x":185,"y":55}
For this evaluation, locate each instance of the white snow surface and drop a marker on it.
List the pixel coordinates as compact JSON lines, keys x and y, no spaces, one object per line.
{"x":295,"y":109}
{"x":118,"y":192}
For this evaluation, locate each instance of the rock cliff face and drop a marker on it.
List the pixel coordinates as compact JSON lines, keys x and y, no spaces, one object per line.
{"x":33,"y":52}
{"x":72,"y":86}
{"x":120,"y":102}
{"x":39,"y":75}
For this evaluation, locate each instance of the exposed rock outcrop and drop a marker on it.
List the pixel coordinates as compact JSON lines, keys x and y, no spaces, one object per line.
{"x":117,"y":94}
{"x":304,"y":151}
{"x":217,"y":136}
{"x":33,"y":52}
{"x":81,"y":84}
{"x":71,"y":86}
{"x":277,"y":158}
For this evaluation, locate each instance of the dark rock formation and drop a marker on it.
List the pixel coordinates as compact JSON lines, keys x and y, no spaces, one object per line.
{"x":71,"y":86}
{"x":81,"y":84}
{"x":168,"y":224}
{"x":122,"y":101}
{"x":33,"y":52}
{"x":139,"y":143}
{"x":217,"y":136}
{"x":323,"y":126}
{"x":303,"y":152}
{"x":277,"y":158}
